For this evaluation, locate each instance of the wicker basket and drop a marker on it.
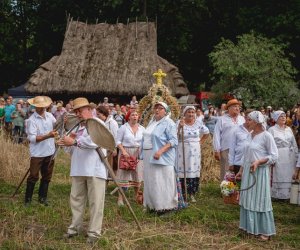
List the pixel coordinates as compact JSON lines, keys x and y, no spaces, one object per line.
{"x":231,"y":199}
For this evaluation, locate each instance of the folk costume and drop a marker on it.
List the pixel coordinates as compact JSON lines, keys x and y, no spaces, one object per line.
{"x":131,"y":143}
{"x":160,"y":189}
{"x":256,"y":212}
{"x":192,"y":147}
{"x":284,"y":168}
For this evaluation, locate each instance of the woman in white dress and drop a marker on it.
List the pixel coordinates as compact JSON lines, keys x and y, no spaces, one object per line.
{"x":158,"y":153}
{"x":129,"y":139}
{"x":194,"y":134}
{"x":260,"y":151}
{"x":288,"y":150}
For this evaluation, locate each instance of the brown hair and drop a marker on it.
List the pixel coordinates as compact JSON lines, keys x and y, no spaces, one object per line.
{"x":102,"y":110}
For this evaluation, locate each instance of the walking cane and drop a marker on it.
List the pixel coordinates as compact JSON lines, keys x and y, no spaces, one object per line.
{"x":183,"y":156}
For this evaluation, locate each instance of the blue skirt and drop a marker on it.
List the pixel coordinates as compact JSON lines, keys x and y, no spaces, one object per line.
{"x":257,"y":222}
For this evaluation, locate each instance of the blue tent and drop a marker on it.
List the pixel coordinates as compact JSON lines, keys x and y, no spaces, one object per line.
{"x":18,"y":91}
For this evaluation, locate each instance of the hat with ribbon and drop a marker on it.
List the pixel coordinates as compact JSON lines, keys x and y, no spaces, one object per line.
{"x":40,"y":101}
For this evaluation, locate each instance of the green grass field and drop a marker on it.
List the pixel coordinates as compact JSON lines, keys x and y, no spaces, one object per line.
{"x":208,"y":224}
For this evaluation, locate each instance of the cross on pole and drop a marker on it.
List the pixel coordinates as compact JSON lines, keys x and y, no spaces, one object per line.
{"x":159,"y":76}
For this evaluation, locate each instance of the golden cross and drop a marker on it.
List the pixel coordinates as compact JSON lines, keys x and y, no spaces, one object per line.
{"x":159,"y":76}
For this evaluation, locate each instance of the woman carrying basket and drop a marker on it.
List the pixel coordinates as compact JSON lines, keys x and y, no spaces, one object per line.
{"x":260,"y":151}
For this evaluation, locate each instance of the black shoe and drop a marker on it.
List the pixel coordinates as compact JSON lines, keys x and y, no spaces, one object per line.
{"x":44,"y":201}
{"x":28,"y":193}
{"x":27,"y":203}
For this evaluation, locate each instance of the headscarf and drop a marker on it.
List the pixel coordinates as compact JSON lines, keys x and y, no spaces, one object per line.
{"x":277,"y":114}
{"x":257,"y":116}
{"x":187,"y":108}
{"x":166,"y":107}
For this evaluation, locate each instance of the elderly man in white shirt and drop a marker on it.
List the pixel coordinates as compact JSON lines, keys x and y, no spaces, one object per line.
{"x":88,"y":174}
{"x":224,"y":132}
{"x":40,"y":133}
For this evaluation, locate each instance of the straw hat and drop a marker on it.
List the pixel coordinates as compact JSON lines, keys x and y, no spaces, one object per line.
{"x":40,"y":101}
{"x":80,"y":102}
{"x":232,"y":102}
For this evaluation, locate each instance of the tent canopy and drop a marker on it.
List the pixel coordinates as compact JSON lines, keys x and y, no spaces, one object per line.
{"x":18,"y":91}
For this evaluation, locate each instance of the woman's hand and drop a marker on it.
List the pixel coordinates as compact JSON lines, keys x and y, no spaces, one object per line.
{"x":66,"y":141}
{"x":181,"y":122}
{"x":218,"y":156}
{"x":239,"y":175}
{"x":157,"y":155}
{"x":254,"y":166}
{"x":125,"y":154}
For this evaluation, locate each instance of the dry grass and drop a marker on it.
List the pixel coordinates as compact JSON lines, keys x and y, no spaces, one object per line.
{"x":14,"y":160}
{"x":208,"y":224}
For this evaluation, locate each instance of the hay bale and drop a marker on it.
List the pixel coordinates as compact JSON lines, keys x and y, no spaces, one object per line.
{"x":210,"y":168}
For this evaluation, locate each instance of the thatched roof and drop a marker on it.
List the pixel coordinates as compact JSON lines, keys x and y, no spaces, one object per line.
{"x":110,"y":59}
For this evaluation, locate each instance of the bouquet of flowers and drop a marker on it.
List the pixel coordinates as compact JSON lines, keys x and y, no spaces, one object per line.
{"x":229,"y":188}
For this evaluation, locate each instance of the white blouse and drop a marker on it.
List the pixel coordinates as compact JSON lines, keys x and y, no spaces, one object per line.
{"x":127,"y":138}
{"x":193,"y":133}
{"x":260,"y":147}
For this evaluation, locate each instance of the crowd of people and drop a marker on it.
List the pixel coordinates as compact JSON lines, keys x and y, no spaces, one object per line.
{"x":254,"y":144}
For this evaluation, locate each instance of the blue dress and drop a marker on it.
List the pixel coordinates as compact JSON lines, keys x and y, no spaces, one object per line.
{"x":256,"y":212}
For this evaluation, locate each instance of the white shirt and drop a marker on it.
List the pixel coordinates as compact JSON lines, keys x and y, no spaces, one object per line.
{"x":37,"y":125}
{"x":85,"y":160}
{"x":260,"y":147}
{"x":127,"y":138}
{"x":224,"y":131}
{"x":112,"y":126}
{"x":237,"y":147}
{"x":147,"y":144}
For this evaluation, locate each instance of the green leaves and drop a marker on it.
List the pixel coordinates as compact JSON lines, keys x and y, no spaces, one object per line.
{"x":256,"y":69}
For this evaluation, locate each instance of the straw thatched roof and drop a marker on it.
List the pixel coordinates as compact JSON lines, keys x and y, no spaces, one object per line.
{"x":110,"y":59}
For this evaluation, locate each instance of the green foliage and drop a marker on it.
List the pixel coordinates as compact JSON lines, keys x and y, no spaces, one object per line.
{"x":256,"y":70}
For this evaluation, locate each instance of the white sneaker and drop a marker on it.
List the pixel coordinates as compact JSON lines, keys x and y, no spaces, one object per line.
{"x":193,"y":200}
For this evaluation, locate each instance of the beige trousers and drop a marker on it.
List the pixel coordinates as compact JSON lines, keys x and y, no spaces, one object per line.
{"x":224,"y":163}
{"x":92,"y":189}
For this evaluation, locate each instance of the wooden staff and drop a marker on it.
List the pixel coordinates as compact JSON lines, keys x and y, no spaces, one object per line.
{"x":183,"y":160}
{"x":113,"y":176}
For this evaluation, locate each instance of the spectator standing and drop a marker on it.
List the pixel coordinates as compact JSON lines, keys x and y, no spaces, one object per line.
{"x":18,"y":117}
{"x":223,"y":133}
{"x":210,"y":120}
{"x":8,"y":110}
{"x":287,"y":155}
{"x":133,"y":101}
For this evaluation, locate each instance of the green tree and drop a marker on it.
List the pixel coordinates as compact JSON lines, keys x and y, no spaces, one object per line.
{"x":255,"y":69}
